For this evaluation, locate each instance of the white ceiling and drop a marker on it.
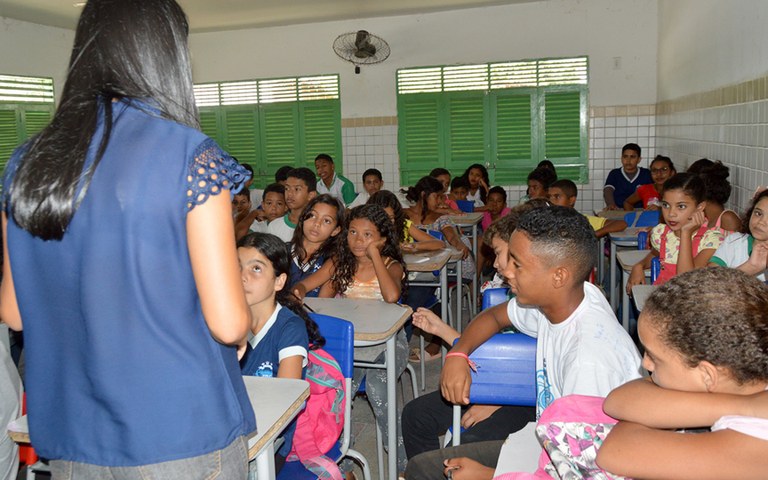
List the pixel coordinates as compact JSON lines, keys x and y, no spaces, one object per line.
{"x":214,"y":15}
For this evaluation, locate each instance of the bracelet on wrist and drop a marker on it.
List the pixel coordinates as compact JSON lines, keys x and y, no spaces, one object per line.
{"x":472,"y":365}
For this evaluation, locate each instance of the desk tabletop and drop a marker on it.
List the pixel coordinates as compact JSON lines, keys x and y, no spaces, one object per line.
{"x":628,"y":258}
{"x":641,"y":293}
{"x":467,"y":219}
{"x":275,"y":401}
{"x":374,"y":320}
{"x":428,"y":261}
{"x":615,"y":214}
{"x":628,"y":234}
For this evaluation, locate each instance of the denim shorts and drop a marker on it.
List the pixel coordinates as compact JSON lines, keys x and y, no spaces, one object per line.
{"x":229,"y":463}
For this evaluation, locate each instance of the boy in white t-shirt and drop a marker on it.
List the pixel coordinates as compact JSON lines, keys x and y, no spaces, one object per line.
{"x":581,"y":348}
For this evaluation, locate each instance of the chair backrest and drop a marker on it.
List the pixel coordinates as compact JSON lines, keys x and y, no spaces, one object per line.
{"x":466,"y":206}
{"x":506,"y":371}
{"x":339,"y":340}
{"x":642,"y":240}
{"x":437,"y":234}
{"x":494,"y":296}
{"x":655,"y":269}
{"x":647,"y":218}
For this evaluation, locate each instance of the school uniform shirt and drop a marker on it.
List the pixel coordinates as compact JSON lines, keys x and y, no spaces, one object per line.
{"x":360,"y":199}
{"x":284,"y":335}
{"x":300,"y":272}
{"x":122,"y":369}
{"x":259,"y":226}
{"x":282,"y":227}
{"x":624,"y":186}
{"x":734,"y":251}
{"x":475,"y":197}
{"x":712,"y":238}
{"x":341,"y":188}
{"x":587,"y":354}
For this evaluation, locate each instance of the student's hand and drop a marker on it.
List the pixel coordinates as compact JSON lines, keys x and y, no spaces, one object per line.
{"x":455,"y":380}
{"x":483,"y":184}
{"x":693,"y":223}
{"x":465,"y":251}
{"x":299,"y":291}
{"x":758,"y":260}
{"x":464,"y":468}
{"x":408,"y":247}
{"x":477,"y":413}
{"x":374,"y":248}
{"x":612,"y":207}
{"x":427,"y":321}
{"x":637,"y":277}
{"x":241,"y":347}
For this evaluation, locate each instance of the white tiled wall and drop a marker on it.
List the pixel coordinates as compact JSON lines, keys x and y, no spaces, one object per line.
{"x":368,"y":145}
{"x":735,"y":134}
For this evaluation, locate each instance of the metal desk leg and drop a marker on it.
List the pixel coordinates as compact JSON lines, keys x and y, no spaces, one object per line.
{"x":474,"y":281}
{"x":265,"y":463}
{"x":612,"y":277}
{"x":600,"y":260}
{"x":391,"y":410}
{"x":624,"y":300}
{"x":443,"y":302}
{"x":456,"y":434}
{"x":459,"y":286}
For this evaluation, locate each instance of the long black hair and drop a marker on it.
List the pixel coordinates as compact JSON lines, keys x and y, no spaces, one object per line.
{"x":123,"y":49}
{"x":329,"y":246}
{"x":384,"y":199}
{"x":423,"y":189}
{"x":484,"y":173}
{"x":346,"y":262}
{"x":277,"y":253}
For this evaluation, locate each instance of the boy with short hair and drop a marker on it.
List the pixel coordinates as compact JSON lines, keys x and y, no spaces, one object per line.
{"x":281,"y":174}
{"x":331,"y":183}
{"x":563,"y":193}
{"x":372,"y":183}
{"x":622,"y":182}
{"x":581,"y":347}
{"x":272,"y":207}
{"x":300,"y":188}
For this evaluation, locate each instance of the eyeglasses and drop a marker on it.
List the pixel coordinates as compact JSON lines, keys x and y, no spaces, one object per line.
{"x":660,"y":170}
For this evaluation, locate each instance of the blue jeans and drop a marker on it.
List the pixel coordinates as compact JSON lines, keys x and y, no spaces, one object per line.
{"x":229,"y":463}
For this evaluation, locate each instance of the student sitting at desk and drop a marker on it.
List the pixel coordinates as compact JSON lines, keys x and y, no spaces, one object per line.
{"x":704,"y":334}
{"x":718,"y":191}
{"x":748,"y":251}
{"x":332,"y":183}
{"x":372,"y":183}
{"x":538,"y":182}
{"x":683,"y":242}
{"x":300,"y":188}
{"x":281,"y":331}
{"x":662,"y":169}
{"x":477,"y":176}
{"x":563,"y":193}
{"x":581,"y":348}
{"x":369,"y":265}
{"x":622,"y":182}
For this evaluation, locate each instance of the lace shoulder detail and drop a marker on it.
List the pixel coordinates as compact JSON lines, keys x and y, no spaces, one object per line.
{"x":210,"y":171}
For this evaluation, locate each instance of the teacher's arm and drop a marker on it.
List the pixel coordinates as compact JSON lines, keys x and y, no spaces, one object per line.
{"x":212,"y":252}
{"x":9,"y":307}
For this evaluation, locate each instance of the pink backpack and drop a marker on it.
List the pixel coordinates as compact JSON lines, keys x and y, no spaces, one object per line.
{"x":320,"y":424}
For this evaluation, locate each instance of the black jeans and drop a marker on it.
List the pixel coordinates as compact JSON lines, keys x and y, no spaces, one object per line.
{"x":429,"y":465}
{"x":429,"y":416}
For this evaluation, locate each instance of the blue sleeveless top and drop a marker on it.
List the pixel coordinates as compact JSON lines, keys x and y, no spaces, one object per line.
{"x":121,"y":369}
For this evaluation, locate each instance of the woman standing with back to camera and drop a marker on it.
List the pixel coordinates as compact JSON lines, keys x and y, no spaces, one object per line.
{"x":121,"y":263}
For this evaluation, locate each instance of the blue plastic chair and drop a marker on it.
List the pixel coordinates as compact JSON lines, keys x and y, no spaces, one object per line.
{"x":340,"y":341}
{"x":495,"y":296}
{"x":655,"y":269}
{"x":506,"y":374}
{"x":647,"y":218}
{"x":466,"y":206}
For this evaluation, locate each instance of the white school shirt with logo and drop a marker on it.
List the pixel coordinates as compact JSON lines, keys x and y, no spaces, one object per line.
{"x":587,"y":354}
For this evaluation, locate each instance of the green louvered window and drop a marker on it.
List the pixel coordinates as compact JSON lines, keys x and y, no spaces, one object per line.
{"x":274,"y":122}
{"x":26,"y":107}
{"x":508,"y":116}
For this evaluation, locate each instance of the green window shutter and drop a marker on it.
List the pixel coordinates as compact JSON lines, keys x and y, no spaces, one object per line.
{"x":320,"y":122}
{"x":209,"y":124}
{"x":513,"y":124}
{"x":9,"y":134}
{"x":565,"y":136}
{"x":35,"y":118}
{"x":418,"y":135}
{"x":240,"y":127}
{"x":280,"y":142}
{"x":467,"y":139}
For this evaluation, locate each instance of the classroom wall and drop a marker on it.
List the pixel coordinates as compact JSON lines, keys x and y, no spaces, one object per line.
{"x":35,"y":50}
{"x":618,"y":36}
{"x":713,"y":88}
